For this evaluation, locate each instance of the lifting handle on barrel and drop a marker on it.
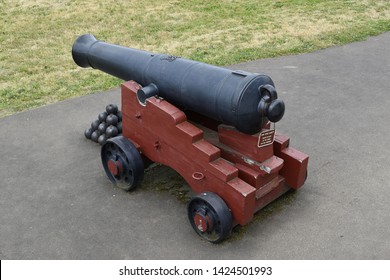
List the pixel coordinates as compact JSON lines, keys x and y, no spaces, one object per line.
{"x":146,"y":92}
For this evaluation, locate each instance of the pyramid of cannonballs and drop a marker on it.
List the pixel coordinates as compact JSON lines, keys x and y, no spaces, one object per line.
{"x":107,"y":125}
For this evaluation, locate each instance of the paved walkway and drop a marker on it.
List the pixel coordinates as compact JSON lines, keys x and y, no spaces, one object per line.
{"x":56,"y":203}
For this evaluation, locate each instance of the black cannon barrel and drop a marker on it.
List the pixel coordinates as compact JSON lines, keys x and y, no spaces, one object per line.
{"x":242,"y":99}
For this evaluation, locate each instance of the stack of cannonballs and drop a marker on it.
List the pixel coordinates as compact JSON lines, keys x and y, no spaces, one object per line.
{"x":108,"y":125}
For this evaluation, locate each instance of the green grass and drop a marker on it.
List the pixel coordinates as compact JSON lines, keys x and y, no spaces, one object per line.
{"x":36,"y":36}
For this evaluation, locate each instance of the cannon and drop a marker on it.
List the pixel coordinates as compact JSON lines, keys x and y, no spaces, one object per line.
{"x":210,"y":124}
{"x":245,"y":100}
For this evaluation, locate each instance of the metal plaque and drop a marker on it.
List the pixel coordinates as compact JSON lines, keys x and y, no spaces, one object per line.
{"x":266,"y":138}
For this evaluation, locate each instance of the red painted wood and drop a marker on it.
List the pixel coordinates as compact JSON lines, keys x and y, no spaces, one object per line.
{"x":224,"y":170}
{"x":244,"y":143}
{"x":270,"y":186}
{"x":166,"y":137}
{"x":281,"y":142}
{"x":295,"y":167}
{"x":191,"y":131}
{"x":253,"y":177}
{"x":275,"y":193}
{"x":228,"y":162}
{"x":295,"y":162}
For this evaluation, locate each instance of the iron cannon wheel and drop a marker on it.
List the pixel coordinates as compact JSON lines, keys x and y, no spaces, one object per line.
{"x":210,"y":217}
{"x":122,"y":163}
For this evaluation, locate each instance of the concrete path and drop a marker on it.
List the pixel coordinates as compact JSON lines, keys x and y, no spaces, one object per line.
{"x":56,"y":203}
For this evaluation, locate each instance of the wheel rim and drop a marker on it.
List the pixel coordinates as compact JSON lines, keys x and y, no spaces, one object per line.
{"x":210,"y":217}
{"x":122,"y":163}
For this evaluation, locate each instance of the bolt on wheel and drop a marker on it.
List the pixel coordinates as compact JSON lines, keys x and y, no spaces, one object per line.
{"x":122,"y":163}
{"x":210,"y":217}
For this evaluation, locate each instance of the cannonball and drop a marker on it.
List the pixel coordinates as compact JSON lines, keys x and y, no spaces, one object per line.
{"x":102,"y":116}
{"x":119,"y":114}
{"x":88,"y":133}
{"x":111,"y":109}
{"x":112,"y":119}
{"x":102,"y":139}
{"x":102,"y":128}
{"x":119,"y":126}
{"x":95,"y":124}
{"x":95,"y":135}
{"x":112,"y":131}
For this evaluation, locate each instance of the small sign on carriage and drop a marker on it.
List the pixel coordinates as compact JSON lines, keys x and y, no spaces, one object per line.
{"x":266,"y":137}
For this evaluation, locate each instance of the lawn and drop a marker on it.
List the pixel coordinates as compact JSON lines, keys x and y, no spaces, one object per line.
{"x":36,"y":36}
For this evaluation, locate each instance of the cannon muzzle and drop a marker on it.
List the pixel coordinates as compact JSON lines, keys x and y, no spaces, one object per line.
{"x":81,"y":48}
{"x":242,"y":99}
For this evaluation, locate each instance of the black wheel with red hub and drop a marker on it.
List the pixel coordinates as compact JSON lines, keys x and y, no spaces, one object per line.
{"x":210,"y":217}
{"x":122,"y":163}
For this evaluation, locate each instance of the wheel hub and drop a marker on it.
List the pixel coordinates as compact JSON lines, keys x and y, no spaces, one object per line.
{"x":202,"y":222}
{"x":115,"y":167}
